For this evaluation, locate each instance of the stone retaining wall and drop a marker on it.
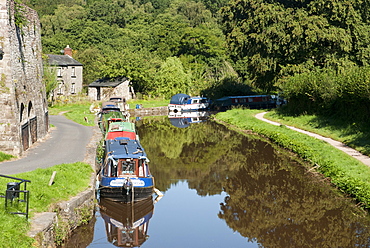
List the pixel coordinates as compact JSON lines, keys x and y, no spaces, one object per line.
{"x":149,"y":111}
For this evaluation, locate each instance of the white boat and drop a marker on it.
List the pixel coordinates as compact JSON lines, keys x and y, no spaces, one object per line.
{"x":183,"y":102}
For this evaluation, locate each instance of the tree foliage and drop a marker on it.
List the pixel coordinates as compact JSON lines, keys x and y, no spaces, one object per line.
{"x":138,"y":40}
{"x":270,"y":37}
{"x":171,"y":79}
{"x":302,"y":48}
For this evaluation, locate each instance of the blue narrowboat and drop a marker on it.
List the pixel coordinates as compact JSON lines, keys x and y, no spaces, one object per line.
{"x":124,"y":172}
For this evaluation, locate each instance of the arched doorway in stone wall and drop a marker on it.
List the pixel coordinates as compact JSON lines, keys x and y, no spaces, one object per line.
{"x":25,"y":133}
{"x":46,"y":120}
{"x":32,"y":119}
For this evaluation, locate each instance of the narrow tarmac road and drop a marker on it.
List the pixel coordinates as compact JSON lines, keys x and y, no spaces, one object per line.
{"x":64,"y":144}
{"x":350,"y":151}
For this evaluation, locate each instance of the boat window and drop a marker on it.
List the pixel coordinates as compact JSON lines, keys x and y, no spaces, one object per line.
{"x":141,"y":168}
{"x":128,"y":166}
{"x":195,"y":101}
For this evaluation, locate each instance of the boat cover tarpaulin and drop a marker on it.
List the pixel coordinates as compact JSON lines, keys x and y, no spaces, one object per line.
{"x":179,"y":99}
{"x":113,"y":135}
{"x":122,"y":147}
{"x":121,"y":126}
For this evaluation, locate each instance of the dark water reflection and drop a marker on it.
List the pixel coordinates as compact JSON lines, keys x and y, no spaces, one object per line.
{"x":224,"y":189}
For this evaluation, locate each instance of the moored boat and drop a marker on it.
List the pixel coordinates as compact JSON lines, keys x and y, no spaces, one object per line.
{"x":109,"y":113}
{"x":124,"y":172}
{"x":183,"y":102}
{"x":252,"y":102}
{"x":121,"y":129}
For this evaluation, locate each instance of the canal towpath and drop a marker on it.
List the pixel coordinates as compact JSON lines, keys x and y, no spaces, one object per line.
{"x":343,"y":147}
{"x":67,"y":142}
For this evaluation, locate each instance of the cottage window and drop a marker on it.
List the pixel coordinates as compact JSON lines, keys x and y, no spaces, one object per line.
{"x":59,"y":72}
{"x":60,"y":88}
{"x":73,"y":73}
{"x":73,"y":88}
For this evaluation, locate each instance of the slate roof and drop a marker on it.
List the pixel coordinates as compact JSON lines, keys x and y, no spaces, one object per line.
{"x":63,"y":60}
{"x":108,"y":82}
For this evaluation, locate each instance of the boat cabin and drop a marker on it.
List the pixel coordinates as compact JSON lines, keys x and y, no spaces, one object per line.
{"x":108,"y":117}
{"x":183,"y":102}
{"x":252,"y":101}
{"x":110,"y":106}
{"x":125,"y":157}
{"x":120,"y":102}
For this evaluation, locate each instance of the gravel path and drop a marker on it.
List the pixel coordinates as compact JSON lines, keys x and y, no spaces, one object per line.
{"x":352,"y":152}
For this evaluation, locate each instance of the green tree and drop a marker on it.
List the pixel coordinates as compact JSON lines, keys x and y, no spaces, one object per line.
{"x":111,"y":12}
{"x":171,"y":79}
{"x":49,"y":79}
{"x":266,"y":37}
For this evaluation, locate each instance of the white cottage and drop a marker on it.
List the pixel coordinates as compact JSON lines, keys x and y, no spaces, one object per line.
{"x":68,"y":73}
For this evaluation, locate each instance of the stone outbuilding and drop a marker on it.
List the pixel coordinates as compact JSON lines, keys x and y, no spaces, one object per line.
{"x":68,"y":73}
{"x":103,"y":89}
{"x":24,"y":109}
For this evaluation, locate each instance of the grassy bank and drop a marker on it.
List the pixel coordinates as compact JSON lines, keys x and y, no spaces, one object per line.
{"x":70,"y":179}
{"x":4,"y":156}
{"x":149,"y":103}
{"x":345,"y":172}
{"x":355,"y":135}
{"x":76,"y":112}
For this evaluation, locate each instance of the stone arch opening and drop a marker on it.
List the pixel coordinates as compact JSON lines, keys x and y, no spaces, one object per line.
{"x":25,"y":133}
{"x":32,"y":120}
{"x":21,"y":113}
{"x":31,"y":111}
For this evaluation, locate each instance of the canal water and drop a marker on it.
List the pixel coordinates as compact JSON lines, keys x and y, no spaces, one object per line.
{"x":224,"y":189}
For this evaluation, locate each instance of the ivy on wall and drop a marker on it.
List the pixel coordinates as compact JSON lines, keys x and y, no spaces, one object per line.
{"x":20,"y":18}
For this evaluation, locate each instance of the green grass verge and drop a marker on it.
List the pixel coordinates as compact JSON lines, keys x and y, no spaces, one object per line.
{"x":4,"y":156}
{"x":355,"y":135}
{"x":75,"y":112}
{"x":348,"y":174}
{"x":70,"y":180}
{"x":149,"y":103}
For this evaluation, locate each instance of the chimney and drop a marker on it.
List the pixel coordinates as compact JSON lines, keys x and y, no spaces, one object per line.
{"x":68,"y":51}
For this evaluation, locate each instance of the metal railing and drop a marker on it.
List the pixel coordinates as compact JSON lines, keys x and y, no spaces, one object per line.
{"x":13,"y":195}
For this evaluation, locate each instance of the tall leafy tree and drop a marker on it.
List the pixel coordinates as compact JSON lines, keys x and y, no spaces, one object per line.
{"x":266,"y":37}
{"x":171,"y":79}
